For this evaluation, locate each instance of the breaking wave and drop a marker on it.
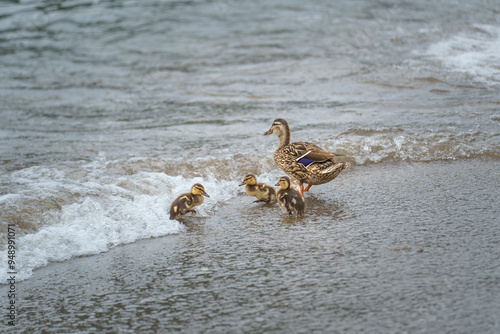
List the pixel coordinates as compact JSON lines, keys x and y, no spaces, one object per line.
{"x":475,"y":54}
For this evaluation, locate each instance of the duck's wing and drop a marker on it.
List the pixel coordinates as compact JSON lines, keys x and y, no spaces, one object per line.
{"x":261,"y":186}
{"x":312,"y":152}
{"x":180,"y":204}
{"x":185,"y":200}
{"x":264,"y":187}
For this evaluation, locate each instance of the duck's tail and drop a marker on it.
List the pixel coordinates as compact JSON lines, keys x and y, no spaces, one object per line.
{"x":338,"y":167}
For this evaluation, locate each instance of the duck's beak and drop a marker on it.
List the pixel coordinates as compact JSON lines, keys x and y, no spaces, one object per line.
{"x":242,"y":183}
{"x":277,"y":184}
{"x":268,"y":132}
{"x":205,"y":194}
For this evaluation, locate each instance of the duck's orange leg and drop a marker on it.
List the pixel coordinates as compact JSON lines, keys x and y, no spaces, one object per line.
{"x":302,"y":190}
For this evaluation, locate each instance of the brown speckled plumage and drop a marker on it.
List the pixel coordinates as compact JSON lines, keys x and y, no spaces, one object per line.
{"x":318,"y":166}
{"x":290,"y":199}
{"x":185,"y":203}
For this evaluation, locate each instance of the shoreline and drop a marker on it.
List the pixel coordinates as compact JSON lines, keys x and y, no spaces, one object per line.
{"x":370,"y":243}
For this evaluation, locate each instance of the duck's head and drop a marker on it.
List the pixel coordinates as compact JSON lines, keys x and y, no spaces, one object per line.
{"x":284,"y":182}
{"x":279,"y":127}
{"x":249,"y":180}
{"x":198,"y":189}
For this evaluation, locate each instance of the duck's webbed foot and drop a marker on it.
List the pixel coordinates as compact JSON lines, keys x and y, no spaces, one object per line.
{"x":261,"y":200}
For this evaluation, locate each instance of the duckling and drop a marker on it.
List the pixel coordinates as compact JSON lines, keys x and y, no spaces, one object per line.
{"x":290,"y":199}
{"x":306,"y":162}
{"x":186,"y":202}
{"x":262,"y":191}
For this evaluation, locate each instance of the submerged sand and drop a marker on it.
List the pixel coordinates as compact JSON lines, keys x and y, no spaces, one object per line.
{"x":412,"y":247}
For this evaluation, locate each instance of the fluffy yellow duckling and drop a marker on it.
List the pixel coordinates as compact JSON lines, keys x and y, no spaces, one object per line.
{"x":186,"y":202}
{"x":289,"y":198}
{"x":262,"y":191}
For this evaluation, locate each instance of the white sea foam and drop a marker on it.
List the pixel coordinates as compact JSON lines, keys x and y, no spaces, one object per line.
{"x":476,"y":54}
{"x":374,"y":147}
{"x":109,"y":213}
{"x":88,"y":208}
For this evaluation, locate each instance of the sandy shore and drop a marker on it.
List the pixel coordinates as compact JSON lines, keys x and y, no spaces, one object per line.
{"x":412,"y":247}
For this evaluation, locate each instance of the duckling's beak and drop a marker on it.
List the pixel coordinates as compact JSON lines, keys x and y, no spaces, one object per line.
{"x":205,"y":194}
{"x":242,"y":183}
{"x":267,"y":133}
{"x":277,"y":184}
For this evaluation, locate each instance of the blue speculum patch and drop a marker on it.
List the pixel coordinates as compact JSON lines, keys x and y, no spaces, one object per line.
{"x":305,"y":161}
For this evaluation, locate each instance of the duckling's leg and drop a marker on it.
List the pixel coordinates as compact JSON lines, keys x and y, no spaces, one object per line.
{"x":186,"y":211}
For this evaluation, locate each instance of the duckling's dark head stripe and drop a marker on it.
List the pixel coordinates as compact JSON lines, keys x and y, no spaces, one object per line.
{"x":199,"y":187}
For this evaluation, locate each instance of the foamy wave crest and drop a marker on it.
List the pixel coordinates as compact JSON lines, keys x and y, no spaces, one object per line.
{"x":475,"y":54}
{"x":371,"y":146}
{"x":111,"y":212}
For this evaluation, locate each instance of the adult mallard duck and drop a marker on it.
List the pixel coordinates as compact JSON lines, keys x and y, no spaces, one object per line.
{"x":306,"y":162}
{"x":290,"y":199}
{"x":186,"y":202}
{"x":262,"y":191}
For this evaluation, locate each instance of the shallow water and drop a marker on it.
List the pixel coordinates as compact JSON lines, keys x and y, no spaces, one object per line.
{"x":370,"y":254}
{"x":110,"y":109}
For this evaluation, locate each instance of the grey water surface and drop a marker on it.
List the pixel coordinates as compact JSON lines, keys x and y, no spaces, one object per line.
{"x":111,"y":109}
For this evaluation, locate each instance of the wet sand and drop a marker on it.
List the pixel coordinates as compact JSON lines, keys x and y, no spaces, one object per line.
{"x":386,"y":248}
